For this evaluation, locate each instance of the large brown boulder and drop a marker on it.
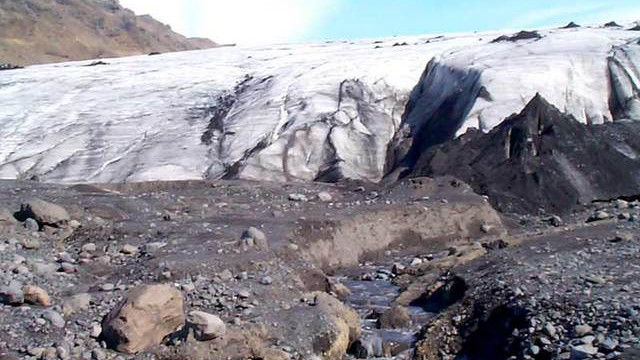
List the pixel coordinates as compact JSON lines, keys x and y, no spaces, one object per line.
{"x":334,"y":307}
{"x":144,"y":318}
{"x":343,"y":327}
{"x":45,"y":213}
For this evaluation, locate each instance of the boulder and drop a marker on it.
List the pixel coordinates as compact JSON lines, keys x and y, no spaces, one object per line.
{"x":333,"y":307}
{"x":45,"y":213}
{"x":144,"y":318}
{"x":206,"y":326}
{"x":253,"y":236}
{"x":398,"y":317}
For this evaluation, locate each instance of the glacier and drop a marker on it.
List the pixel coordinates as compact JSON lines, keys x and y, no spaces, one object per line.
{"x":324,"y":111}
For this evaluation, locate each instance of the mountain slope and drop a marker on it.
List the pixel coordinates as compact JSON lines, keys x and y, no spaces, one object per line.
{"x":300,"y":112}
{"x":45,"y":31}
{"x":542,"y":158}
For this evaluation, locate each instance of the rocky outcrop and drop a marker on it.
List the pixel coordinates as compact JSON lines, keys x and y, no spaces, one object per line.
{"x":542,"y":159}
{"x":9,"y":67}
{"x":522,"y":35}
{"x":144,"y":318}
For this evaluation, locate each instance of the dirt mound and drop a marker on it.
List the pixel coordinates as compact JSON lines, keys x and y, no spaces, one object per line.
{"x":542,"y":158}
{"x":44,"y":31}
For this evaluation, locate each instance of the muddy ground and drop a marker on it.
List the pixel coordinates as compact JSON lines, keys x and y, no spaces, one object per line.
{"x":432,"y":271}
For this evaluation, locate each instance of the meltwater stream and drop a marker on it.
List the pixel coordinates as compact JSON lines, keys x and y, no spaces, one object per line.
{"x":372,"y":296}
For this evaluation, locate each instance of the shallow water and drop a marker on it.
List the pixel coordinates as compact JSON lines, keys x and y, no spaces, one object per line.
{"x":377,"y":296}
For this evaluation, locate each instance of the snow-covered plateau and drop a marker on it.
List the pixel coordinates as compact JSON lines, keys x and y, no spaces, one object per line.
{"x":321,"y":111}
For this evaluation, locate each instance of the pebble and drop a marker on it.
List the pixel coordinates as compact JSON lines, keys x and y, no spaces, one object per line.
{"x":67,"y":268}
{"x":324,"y":196}
{"x":298,"y":198}
{"x":96,"y":330}
{"x":106,"y":287}
{"x":581,"y":330}
{"x":98,"y":354}
{"x":31,"y":244}
{"x":129,"y":249}
{"x":89,"y":247}
{"x":550,"y":330}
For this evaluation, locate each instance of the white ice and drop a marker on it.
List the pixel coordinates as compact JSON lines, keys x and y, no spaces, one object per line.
{"x":299,"y":112}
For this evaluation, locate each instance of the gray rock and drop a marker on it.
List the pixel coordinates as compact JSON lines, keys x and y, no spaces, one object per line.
{"x":622,"y":204}
{"x":66,"y":257}
{"x":31,"y":244}
{"x":324,"y":196}
{"x":622,"y":237}
{"x":129,"y":249}
{"x":298,"y":197}
{"x":582,"y":352}
{"x":98,"y":354}
{"x":68,"y":268}
{"x":206,"y":326}
{"x":267,"y":280}
{"x":600,"y":215}
{"x":550,"y":330}
{"x":12,"y":294}
{"x":76,"y":303}
{"x":107,"y":287}
{"x":44,"y":269}
{"x":31,"y":225}
{"x":534,"y":350}
{"x":556,"y":221}
{"x":254,"y":236}
{"x":226,"y":275}
{"x":581,"y":330}
{"x":486,"y":228}
{"x":89,"y":247}
{"x":153,"y":247}
{"x":6,"y":218}
{"x":96,"y":330}
{"x":54,"y":318}
{"x":609,"y":344}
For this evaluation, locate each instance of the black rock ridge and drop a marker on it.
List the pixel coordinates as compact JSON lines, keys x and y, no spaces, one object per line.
{"x":542,"y":159}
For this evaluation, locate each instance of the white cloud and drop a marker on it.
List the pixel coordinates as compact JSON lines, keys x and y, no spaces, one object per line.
{"x":239,"y":21}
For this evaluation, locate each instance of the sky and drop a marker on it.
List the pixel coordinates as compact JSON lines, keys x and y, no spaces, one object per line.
{"x":278,"y":21}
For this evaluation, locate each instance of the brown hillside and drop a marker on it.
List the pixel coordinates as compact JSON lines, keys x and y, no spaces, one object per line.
{"x":45,"y":31}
